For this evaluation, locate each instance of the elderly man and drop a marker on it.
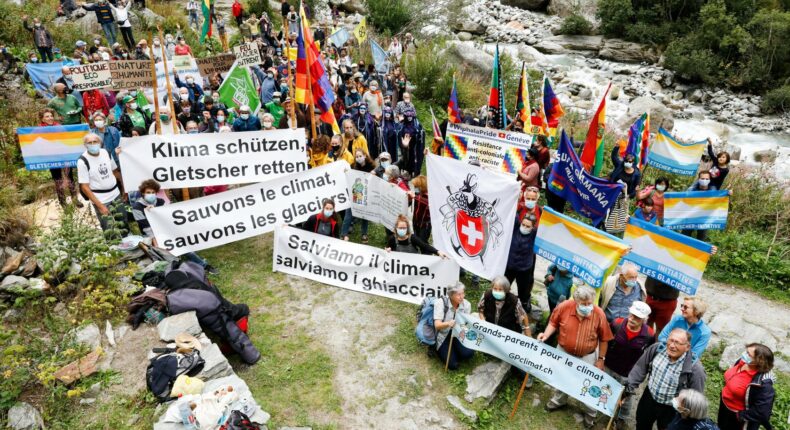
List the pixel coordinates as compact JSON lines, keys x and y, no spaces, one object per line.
{"x":246,"y":121}
{"x":403,"y":106}
{"x":584,"y":333}
{"x":374,"y":99}
{"x":631,"y":336}
{"x":621,"y":290}
{"x":110,"y":136}
{"x":669,"y":368}
{"x":100,"y":182}
{"x":444,"y":311}
{"x":690,"y":319}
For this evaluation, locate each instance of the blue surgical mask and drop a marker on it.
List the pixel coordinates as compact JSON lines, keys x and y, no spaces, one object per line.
{"x":193,"y":131}
{"x":244,"y":116}
{"x":530,"y":204}
{"x":745,"y":358}
{"x":328,"y":213}
{"x":94,"y":149}
{"x":499,"y":295}
{"x":402,"y":232}
{"x":150,"y":198}
{"x":385,"y":164}
{"x":584,"y":310}
{"x":630,"y":283}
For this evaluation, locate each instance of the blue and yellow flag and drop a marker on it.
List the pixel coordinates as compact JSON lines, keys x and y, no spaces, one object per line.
{"x":51,"y":147}
{"x":671,"y":155}
{"x":696,"y":210}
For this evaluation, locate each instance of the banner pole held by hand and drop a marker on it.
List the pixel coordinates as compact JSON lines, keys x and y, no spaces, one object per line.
{"x":518,"y":398}
{"x":449,"y":350}
{"x":616,"y":410}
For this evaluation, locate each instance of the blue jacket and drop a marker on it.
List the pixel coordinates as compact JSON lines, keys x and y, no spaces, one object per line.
{"x":700,"y":334}
{"x":195,"y":92}
{"x":560,"y":286}
{"x":760,"y":396}
{"x":268,"y":85}
{"x":103,"y":12}
{"x":111,"y":139}
{"x":250,"y":124}
{"x":522,"y":254}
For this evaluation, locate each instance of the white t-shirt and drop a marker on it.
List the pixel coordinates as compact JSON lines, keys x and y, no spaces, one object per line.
{"x":99,"y":177}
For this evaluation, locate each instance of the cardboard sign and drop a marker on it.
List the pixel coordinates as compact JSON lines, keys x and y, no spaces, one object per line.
{"x":217,"y":64}
{"x":91,"y":76}
{"x":131,"y":74}
{"x":247,"y":54}
{"x":182,"y":62}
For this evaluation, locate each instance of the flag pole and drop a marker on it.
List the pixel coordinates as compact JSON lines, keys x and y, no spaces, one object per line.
{"x":184,"y":191}
{"x":291,"y":90}
{"x":616,"y":410}
{"x":307,"y":49}
{"x":153,"y":74}
{"x":518,"y":398}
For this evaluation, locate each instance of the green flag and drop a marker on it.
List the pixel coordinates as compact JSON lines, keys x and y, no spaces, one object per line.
{"x":238,"y":90}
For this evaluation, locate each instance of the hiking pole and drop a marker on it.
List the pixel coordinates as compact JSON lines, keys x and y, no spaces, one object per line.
{"x":449,"y":350}
{"x":518,"y":398}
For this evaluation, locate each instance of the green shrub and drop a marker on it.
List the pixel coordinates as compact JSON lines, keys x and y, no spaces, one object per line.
{"x":576,"y":25}
{"x":615,"y":16}
{"x":685,"y":58}
{"x":777,"y":100}
{"x":391,"y":16}
{"x":426,"y":68}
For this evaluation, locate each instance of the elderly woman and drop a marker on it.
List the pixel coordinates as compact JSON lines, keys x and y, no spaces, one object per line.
{"x":521,"y":258}
{"x":268,"y":122}
{"x":63,"y":177}
{"x":692,"y":408}
{"x":326,"y":222}
{"x":747,"y":398}
{"x":501,"y":307}
{"x":404,"y":240}
{"x":690,"y":319}
{"x":444,"y":311}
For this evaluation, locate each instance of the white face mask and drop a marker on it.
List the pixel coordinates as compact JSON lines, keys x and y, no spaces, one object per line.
{"x":184,"y":97}
{"x":525,"y":230}
{"x":267,"y":124}
{"x":220,"y":118}
{"x":676,"y":404}
{"x":190,"y":81}
{"x":704,"y":182}
{"x":661,"y":187}
{"x":99,"y":123}
{"x":361,"y":160}
{"x":244,"y":116}
{"x":133,"y":106}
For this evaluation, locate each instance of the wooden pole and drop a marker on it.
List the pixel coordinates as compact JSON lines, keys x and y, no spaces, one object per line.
{"x":291,"y":77}
{"x":156,"y":98}
{"x":518,"y":398}
{"x":310,"y":96}
{"x":184,"y":191}
{"x":449,"y":350}
{"x":616,"y":410}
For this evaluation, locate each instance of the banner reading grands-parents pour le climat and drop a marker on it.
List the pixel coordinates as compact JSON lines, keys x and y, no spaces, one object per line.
{"x":199,"y":160}
{"x":395,"y":275}
{"x":249,"y":211}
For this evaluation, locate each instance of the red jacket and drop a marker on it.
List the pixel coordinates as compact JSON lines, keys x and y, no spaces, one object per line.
{"x":236,"y":9}
{"x":94,"y":101}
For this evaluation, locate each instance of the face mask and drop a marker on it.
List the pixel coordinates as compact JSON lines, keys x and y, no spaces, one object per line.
{"x":704,"y":182}
{"x":385,"y":164}
{"x":353,"y":91}
{"x":745,"y":358}
{"x":97,"y":42}
{"x":499,"y":295}
{"x":98,"y":124}
{"x":584,"y":310}
{"x":156,"y":43}
{"x":676,"y":404}
{"x":661,"y":187}
{"x":386,"y":177}
{"x":133,"y":106}
{"x":184,"y":97}
{"x":164,"y":117}
{"x":93,"y":149}
{"x":402,"y":232}
{"x":374,"y":88}
{"x":270,"y":75}
{"x":328,"y":213}
{"x":267,"y":124}
{"x":416,"y":191}
{"x":525,"y":230}
{"x":220,"y":118}
{"x":244,"y":116}
{"x":190,"y":81}
{"x":630,"y":283}
{"x":150,"y":198}
{"x":37,"y":25}
{"x":628,"y":165}
{"x":530,"y":204}
{"x":125,"y":55}
{"x":360,"y":160}
{"x":34,"y":60}
{"x":193,"y":131}
{"x":363,"y":111}
{"x":68,"y":79}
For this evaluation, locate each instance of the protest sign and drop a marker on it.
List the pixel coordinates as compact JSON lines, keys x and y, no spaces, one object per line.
{"x":199,"y":160}
{"x":43,"y":76}
{"x":217,"y":64}
{"x":696,"y":210}
{"x":51,"y":147}
{"x":590,"y":196}
{"x":131,"y":74}
{"x":375,"y":199}
{"x":499,"y":150}
{"x":473,"y":211}
{"x":182,"y":62}
{"x":571,"y":375}
{"x":395,"y":275}
{"x":182,"y":76}
{"x":249,"y":211}
{"x":91,"y":76}
{"x":587,"y":252}
{"x":238,"y":90}
{"x":667,"y":256}
{"x":247,"y":54}
{"x":668,"y":154}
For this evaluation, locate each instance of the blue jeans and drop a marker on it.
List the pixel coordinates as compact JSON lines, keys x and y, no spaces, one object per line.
{"x":191,"y":256}
{"x":193,"y":18}
{"x":458,"y":353}
{"x":109,"y":32}
{"x":347,"y":220}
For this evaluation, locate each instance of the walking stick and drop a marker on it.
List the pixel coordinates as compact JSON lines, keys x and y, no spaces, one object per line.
{"x":449,"y":351}
{"x":518,"y":398}
{"x":616,"y":410}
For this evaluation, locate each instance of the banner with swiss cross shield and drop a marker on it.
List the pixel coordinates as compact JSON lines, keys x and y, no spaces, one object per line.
{"x":473,"y":212}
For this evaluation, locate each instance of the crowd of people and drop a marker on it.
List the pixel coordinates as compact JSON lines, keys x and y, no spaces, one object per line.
{"x":628,"y":328}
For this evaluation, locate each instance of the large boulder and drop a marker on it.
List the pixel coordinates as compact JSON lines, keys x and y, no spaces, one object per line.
{"x":467,"y":25}
{"x":660,"y":115}
{"x":171,"y":326}
{"x":526,"y":4}
{"x":23,"y":416}
{"x":351,"y":6}
{"x":578,"y":43}
{"x":484,"y":382}
{"x":549,"y":47}
{"x":627,"y":52}
{"x":469,"y":55}
{"x":89,"y":24}
{"x":565,"y":8}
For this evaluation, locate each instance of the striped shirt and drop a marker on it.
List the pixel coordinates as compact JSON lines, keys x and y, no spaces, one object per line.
{"x":665,"y":377}
{"x":580,"y":336}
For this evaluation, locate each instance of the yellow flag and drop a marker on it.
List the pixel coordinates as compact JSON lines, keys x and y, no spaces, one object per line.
{"x":361,"y":32}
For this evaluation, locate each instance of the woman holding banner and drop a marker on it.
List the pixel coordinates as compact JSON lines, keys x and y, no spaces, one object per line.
{"x":501,"y":307}
{"x":326,"y":222}
{"x":63,"y":177}
{"x":405,"y":241}
{"x":444,"y":311}
{"x":521,"y":259}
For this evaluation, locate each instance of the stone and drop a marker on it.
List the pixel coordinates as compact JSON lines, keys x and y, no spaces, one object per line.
{"x":29,"y":268}
{"x":486,"y":380}
{"x":182,"y":323}
{"x":468,"y":54}
{"x":351,"y":6}
{"x":60,"y":309}
{"x":86,"y":402}
{"x":565,"y":8}
{"x":514,"y":25}
{"x":93,"y":391}
{"x":548,"y":47}
{"x":614,"y":92}
{"x":456,"y":403}
{"x":696,"y":96}
{"x":464,"y":36}
{"x":733,"y":326}
{"x":734,"y":150}
{"x":216,"y":365}
{"x":79,"y":368}
{"x":296,"y":428}
{"x":765,"y":156}
{"x":12,"y":262}
{"x":585,"y":94}
{"x":660,"y":115}
{"x":730,"y":355}
{"x":89,"y":336}
{"x":14,"y":284}
{"x":469,"y":26}
{"x":121,"y":331}
{"x":109,"y":333}
{"x":12,"y":315}
{"x":627,"y":52}
{"x":23,"y":416}
{"x":578,"y":43}
{"x":526,"y":4}
{"x":531,"y":55}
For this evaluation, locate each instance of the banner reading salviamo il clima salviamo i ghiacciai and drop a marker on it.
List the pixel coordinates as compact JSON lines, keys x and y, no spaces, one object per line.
{"x":249,"y":211}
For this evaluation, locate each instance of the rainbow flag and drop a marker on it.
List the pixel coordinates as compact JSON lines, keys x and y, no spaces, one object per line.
{"x":206,"y":7}
{"x":453,"y":110}
{"x":455,"y":147}
{"x":638,"y":140}
{"x":592,"y":154}
{"x":51,"y":147}
{"x":496,"y":96}
{"x":696,"y":210}
{"x":590,"y":254}
{"x":667,"y":256}
{"x":308,"y":57}
{"x":522,"y":97}
{"x":673,"y":156}
{"x":552,"y":110}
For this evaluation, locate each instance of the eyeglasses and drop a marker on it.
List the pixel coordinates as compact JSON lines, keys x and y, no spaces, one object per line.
{"x":675,"y":342}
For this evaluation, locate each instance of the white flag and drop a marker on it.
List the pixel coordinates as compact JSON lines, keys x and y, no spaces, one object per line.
{"x":473,"y":212}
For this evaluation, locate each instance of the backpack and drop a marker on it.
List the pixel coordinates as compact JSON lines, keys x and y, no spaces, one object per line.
{"x":163,"y":370}
{"x":82,"y":193}
{"x":239,"y":421}
{"x":425,"y":330}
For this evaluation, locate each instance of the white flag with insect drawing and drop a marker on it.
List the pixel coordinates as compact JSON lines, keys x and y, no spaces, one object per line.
{"x":473,"y":213}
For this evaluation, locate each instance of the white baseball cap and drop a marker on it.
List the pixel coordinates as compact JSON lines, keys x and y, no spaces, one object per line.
{"x":640,"y":309}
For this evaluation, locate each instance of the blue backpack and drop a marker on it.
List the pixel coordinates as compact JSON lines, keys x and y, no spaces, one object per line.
{"x":425,"y":330}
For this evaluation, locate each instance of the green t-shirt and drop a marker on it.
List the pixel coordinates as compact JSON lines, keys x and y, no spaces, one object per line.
{"x":137,"y":119}
{"x":276,"y":110}
{"x":68,"y":109}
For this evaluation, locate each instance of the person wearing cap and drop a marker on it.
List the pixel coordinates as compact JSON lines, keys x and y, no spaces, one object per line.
{"x":268,"y":82}
{"x":246,"y":121}
{"x":104,"y":16}
{"x":374,"y":99}
{"x":141,"y":51}
{"x":620,"y":290}
{"x":132,"y":116}
{"x":274,"y":107}
{"x":80,"y":52}
{"x":632,"y":335}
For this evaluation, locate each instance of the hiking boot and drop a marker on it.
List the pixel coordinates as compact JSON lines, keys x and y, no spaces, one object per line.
{"x":551,"y":406}
{"x":211,"y":270}
{"x":364,"y":238}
